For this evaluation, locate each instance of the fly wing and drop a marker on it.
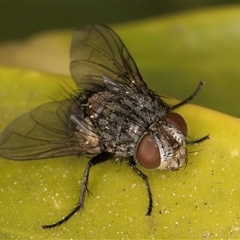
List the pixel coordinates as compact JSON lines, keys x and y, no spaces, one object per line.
{"x":42,"y":133}
{"x":98,"y":52}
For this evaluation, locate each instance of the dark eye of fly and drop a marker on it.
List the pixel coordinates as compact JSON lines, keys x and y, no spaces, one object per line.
{"x":177,"y":121}
{"x":147,"y":153}
{"x":114,"y":115}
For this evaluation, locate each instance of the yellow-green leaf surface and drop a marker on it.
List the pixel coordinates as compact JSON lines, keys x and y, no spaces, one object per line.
{"x":200,"y":201}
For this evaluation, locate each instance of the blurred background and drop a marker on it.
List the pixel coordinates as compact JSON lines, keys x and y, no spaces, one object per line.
{"x":20,"y":19}
{"x":175,"y":44}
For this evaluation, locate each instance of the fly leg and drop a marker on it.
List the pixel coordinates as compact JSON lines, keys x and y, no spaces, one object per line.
{"x":189,"y":98}
{"x":102,"y":157}
{"x":145,"y":179}
{"x":199,"y":140}
{"x":193,"y":95}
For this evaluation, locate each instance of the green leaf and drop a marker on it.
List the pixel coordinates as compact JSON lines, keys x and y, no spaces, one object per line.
{"x":199,"y":201}
{"x":192,"y":202}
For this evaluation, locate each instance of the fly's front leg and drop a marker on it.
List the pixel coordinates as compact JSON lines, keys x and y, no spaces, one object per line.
{"x":102,"y":157}
{"x":191,"y":97}
{"x":145,"y":179}
{"x":199,"y":140}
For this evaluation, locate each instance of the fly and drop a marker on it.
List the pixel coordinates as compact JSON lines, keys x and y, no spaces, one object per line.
{"x":115,"y":116}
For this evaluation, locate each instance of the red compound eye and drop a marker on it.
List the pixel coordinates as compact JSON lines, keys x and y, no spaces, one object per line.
{"x":147,"y":153}
{"x":177,"y":121}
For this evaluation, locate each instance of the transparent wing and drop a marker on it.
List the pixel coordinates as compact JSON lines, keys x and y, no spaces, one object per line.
{"x":42,"y":133}
{"x":97,"y":51}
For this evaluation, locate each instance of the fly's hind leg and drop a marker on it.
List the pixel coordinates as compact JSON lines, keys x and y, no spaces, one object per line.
{"x":102,"y":157}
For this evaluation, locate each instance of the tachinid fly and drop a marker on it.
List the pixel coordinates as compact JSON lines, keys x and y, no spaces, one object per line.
{"x":115,"y":116}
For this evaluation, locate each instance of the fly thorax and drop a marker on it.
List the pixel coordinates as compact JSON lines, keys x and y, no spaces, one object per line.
{"x":162,"y":146}
{"x":97,"y":102}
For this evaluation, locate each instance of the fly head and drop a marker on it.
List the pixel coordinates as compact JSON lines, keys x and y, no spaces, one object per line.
{"x":163,"y":146}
